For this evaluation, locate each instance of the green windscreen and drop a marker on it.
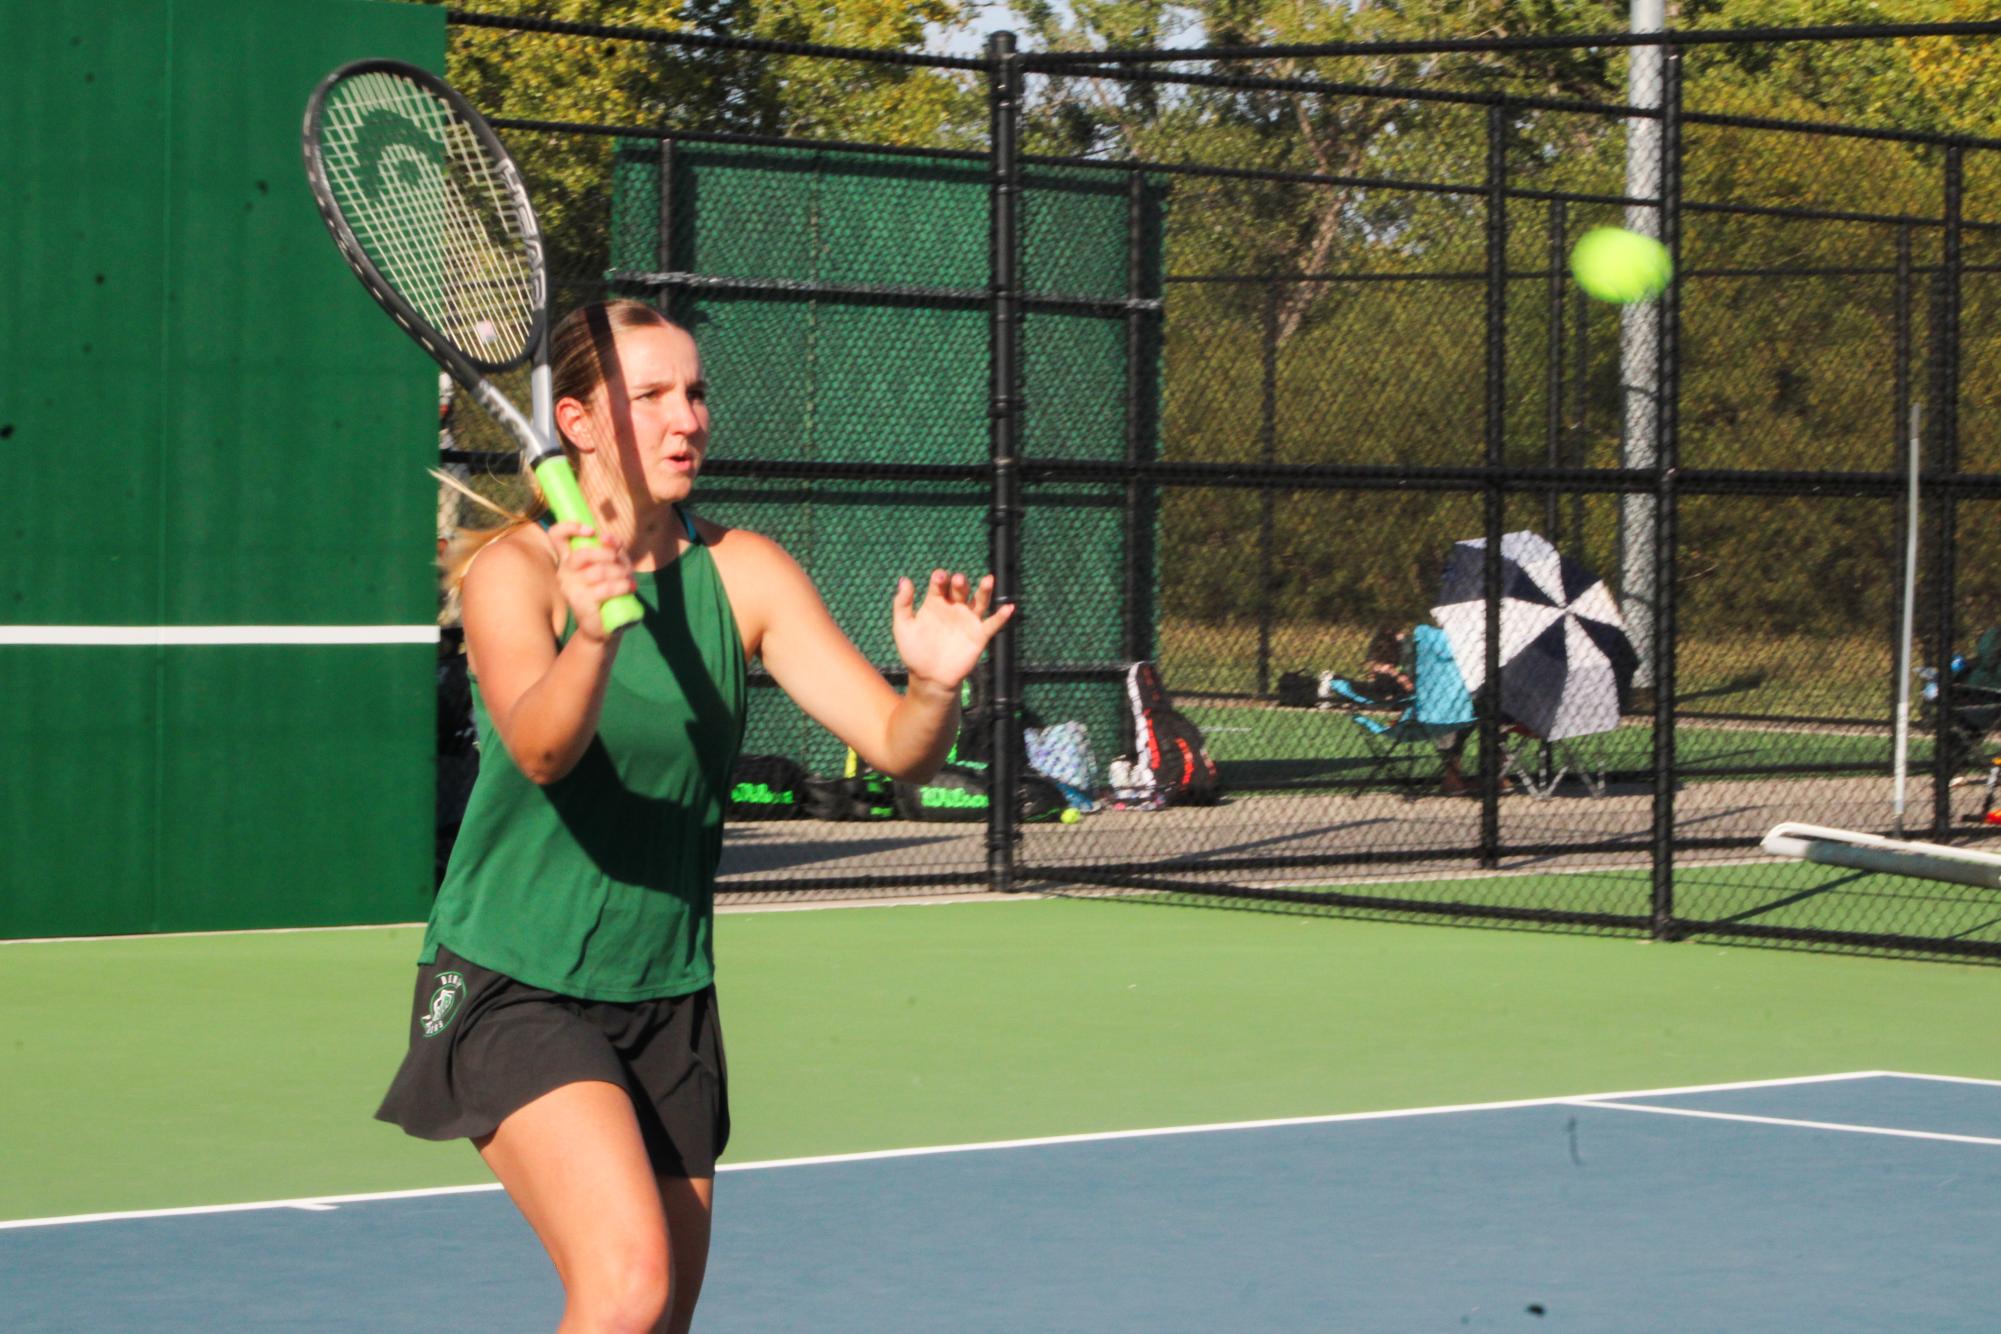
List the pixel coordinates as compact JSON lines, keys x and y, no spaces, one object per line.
{"x":839,"y":299}
{"x":218,"y":434}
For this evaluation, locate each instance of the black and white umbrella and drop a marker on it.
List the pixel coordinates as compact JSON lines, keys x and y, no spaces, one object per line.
{"x":1566,"y":659}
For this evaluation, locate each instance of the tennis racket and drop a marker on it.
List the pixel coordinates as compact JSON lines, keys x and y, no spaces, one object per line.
{"x":430,"y":212}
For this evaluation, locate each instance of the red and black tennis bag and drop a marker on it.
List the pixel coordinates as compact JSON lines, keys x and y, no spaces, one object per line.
{"x":1170,"y":759}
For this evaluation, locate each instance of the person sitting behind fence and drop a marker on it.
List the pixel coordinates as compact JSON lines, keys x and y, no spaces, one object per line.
{"x":1386,"y":677}
{"x":1389,"y":680}
{"x":1976,"y":683}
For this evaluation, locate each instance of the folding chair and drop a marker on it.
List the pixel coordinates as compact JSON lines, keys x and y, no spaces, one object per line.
{"x":1436,"y":710}
{"x":1538,"y":765}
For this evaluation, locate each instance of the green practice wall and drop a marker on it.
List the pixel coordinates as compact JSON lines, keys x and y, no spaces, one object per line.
{"x":905,"y":381}
{"x":210,"y":425}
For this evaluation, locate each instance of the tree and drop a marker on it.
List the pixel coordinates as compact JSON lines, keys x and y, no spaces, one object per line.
{"x":1778,"y":370}
{"x":620,"y":82}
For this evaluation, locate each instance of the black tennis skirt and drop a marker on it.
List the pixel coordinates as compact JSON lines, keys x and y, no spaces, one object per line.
{"x":483,"y":1045}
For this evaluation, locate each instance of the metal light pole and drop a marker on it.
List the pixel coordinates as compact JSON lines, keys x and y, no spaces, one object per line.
{"x":1639,"y":345}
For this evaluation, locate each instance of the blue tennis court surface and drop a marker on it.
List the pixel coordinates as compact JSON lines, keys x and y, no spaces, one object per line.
{"x":1853,"y":1202}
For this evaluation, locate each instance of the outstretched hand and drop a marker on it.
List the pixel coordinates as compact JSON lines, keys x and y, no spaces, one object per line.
{"x":943,"y":639}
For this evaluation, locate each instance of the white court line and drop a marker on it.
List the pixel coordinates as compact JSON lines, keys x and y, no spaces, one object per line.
{"x":1281,"y":1122}
{"x":1944,"y":1079}
{"x":315,"y":1203}
{"x":722,"y":909}
{"x":876,"y":1155}
{"x":196,"y":935}
{"x":1782,"y":1121}
{"x":165,"y":636}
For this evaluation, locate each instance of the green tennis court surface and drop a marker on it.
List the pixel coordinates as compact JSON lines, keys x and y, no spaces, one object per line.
{"x":1724,"y":894}
{"x":184,"y":1072}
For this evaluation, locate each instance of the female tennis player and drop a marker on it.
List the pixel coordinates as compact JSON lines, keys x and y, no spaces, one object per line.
{"x":565,"y":1016}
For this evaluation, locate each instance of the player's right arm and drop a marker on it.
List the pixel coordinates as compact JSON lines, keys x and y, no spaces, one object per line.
{"x":544,"y":699}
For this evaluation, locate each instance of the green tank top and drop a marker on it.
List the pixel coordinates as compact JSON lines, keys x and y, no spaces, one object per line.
{"x":601,"y":884}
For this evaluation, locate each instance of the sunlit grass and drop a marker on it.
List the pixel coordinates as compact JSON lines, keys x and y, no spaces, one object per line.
{"x":1848,"y":677}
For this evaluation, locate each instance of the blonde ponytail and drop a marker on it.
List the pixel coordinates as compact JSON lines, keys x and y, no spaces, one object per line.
{"x":465,"y":543}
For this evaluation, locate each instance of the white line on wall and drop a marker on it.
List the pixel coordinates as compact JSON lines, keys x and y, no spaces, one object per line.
{"x":164,"y":636}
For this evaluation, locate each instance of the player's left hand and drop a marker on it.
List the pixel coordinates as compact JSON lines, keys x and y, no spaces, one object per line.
{"x":942,"y":640}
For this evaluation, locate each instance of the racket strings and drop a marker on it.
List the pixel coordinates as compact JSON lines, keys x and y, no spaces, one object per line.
{"x":434,"y":211}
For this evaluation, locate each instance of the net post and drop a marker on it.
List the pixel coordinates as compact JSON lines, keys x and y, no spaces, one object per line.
{"x":1004,"y":435}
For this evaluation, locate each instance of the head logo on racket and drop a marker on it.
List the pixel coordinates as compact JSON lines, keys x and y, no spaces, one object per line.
{"x":431,"y":213}
{"x":444,"y":1003}
{"x":392,"y":148}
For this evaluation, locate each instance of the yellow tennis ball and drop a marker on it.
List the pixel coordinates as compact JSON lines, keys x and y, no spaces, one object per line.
{"x":1619,"y":266}
{"x":1069,"y":815}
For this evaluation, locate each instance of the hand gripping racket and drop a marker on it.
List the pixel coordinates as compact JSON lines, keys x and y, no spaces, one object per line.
{"x":431,"y":214}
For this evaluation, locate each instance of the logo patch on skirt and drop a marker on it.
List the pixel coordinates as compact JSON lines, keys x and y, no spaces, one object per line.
{"x":444,"y":1003}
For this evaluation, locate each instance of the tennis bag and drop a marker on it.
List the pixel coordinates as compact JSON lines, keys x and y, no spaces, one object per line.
{"x":962,"y":792}
{"x":865,"y":796}
{"x":765,"y":787}
{"x":1170,"y":760}
{"x":977,"y":714}
{"x":860,"y":793}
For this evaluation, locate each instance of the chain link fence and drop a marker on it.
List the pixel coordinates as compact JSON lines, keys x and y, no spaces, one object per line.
{"x":1489,"y":601}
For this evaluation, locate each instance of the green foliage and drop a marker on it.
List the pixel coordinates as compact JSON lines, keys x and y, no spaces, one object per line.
{"x":1790,"y":371}
{"x":1777,"y":371}
{"x":1941,"y":85}
{"x":605,"y":81}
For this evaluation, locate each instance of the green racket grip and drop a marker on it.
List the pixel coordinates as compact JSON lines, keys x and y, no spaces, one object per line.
{"x":566,"y":499}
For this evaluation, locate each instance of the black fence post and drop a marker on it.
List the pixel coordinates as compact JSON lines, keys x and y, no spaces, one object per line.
{"x":664,"y":243}
{"x":1552,"y":415}
{"x":1137,"y":637}
{"x":1945,"y":474}
{"x":1494,"y":500}
{"x":1900,"y":430}
{"x":1667,"y":560}
{"x":1580,"y":420}
{"x":1267,"y":502}
{"x":1004,"y":515}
